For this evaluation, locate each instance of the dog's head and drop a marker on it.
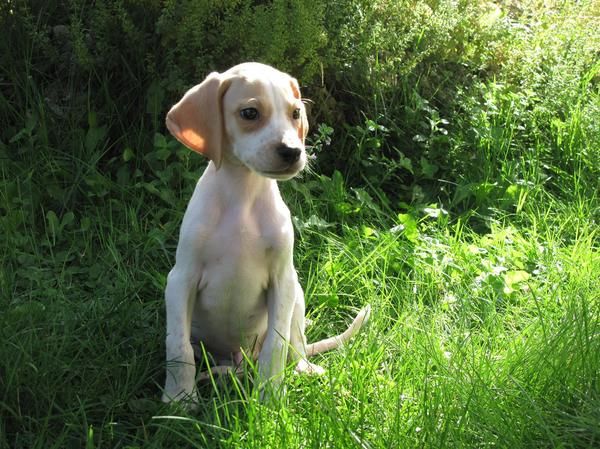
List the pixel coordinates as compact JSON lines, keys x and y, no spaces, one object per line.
{"x":251,"y":113}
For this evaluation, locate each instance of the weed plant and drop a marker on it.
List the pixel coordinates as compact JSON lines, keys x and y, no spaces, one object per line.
{"x":453,"y":186}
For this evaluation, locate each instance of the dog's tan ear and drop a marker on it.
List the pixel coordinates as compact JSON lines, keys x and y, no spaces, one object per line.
{"x":303,"y":130}
{"x":196,"y":120}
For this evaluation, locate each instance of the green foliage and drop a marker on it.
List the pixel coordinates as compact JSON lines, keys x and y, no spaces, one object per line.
{"x":216,"y":35}
{"x":454,"y":187}
{"x":418,"y":93}
{"x":516,"y":123}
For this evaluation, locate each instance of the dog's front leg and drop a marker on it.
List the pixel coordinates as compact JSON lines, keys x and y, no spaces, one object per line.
{"x":180,"y":295}
{"x":273,"y":355}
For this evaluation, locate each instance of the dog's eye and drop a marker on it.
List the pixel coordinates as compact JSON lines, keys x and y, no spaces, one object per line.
{"x":249,"y":113}
{"x":296,"y":114}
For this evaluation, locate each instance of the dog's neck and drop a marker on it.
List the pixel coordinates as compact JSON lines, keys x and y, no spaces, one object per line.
{"x":237,"y":183}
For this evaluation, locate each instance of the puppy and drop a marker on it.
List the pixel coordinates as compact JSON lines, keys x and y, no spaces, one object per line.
{"x":234,"y":288}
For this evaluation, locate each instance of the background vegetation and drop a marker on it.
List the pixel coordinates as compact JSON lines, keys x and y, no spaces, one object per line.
{"x":454,"y":187}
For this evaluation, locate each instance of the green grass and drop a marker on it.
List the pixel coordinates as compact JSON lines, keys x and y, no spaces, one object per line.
{"x":470,"y":226}
{"x":475,"y":339}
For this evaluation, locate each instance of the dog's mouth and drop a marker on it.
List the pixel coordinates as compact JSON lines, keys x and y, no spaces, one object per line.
{"x":284,"y":173}
{"x":281,"y":175}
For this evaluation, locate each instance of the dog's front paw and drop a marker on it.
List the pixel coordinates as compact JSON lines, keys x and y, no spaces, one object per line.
{"x":187,"y":401}
{"x":305,"y":367}
{"x":183,"y":393}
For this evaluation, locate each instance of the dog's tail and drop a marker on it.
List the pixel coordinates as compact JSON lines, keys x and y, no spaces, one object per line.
{"x":330,"y":343}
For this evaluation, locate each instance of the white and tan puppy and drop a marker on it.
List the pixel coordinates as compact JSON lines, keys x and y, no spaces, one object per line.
{"x":234,"y":287}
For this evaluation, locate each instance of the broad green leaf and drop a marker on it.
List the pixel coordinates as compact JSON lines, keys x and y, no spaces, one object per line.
{"x":428,"y":169}
{"x":128,"y":154}
{"x":410,"y":227}
{"x":53,"y":223}
{"x":512,"y":278}
{"x":94,"y":136}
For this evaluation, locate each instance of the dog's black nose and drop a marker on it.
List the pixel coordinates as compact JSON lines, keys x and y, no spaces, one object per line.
{"x":288,"y":154}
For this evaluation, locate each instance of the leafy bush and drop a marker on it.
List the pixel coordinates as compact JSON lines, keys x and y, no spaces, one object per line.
{"x":470,"y":104}
{"x":511,"y":138}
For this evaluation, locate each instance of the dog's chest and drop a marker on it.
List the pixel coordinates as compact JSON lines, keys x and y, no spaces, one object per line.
{"x":244,"y":248}
{"x":236,"y":261}
{"x":239,"y":258}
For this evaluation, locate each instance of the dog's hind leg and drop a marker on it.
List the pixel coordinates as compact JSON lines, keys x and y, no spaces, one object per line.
{"x":298,"y":338}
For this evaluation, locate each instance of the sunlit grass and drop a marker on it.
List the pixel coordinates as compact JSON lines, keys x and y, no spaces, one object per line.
{"x":474,"y":340}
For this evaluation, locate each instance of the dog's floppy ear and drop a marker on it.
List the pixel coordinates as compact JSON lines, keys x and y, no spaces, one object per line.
{"x":197,"y":120}
{"x":303,"y":130}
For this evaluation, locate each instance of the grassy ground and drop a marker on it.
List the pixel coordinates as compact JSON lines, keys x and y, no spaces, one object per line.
{"x":483,"y":273}
{"x":475,"y":340}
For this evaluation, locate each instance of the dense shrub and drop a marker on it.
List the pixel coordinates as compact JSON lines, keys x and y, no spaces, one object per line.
{"x":414,"y":93}
{"x":545,"y":88}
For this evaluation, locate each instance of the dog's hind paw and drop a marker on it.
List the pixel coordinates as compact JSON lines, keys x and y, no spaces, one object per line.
{"x":305,"y":367}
